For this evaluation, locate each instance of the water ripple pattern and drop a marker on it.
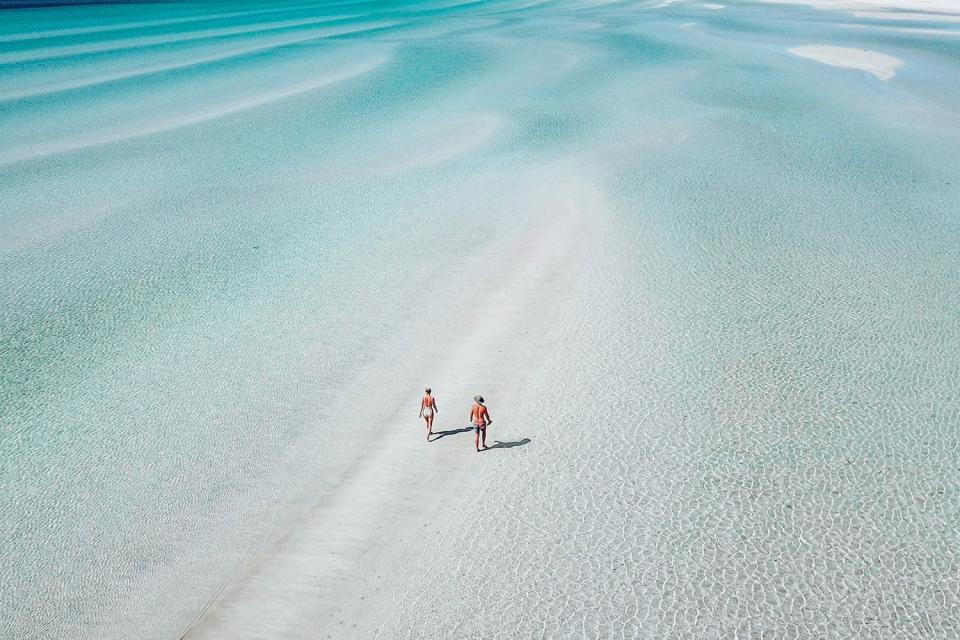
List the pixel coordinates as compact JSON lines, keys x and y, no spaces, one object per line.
{"x":743,"y":422}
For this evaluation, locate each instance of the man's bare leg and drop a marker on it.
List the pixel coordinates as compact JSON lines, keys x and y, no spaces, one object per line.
{"x":476,"y":441}
{"x":484,"y":432}
{"x":429,"y":426}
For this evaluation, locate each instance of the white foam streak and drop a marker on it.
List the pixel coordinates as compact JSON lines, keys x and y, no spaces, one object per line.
{"x":48,"y":53}
{"x":107,"y":28}
{"x":127,"y":132}
{"x":224,"y":54}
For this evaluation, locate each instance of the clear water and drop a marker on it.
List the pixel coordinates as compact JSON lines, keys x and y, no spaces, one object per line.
{"x":209,"y":216}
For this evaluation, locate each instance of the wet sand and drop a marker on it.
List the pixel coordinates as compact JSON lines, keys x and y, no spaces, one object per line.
{"x":344,"y":564}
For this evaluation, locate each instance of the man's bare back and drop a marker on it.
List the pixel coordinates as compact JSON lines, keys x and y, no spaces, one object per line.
{"x":480,"y":417}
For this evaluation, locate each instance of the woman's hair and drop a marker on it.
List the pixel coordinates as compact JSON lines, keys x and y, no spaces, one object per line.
{"x":427,"y":389}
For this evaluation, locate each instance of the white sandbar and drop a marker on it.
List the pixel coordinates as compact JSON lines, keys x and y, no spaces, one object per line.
{"x":892,"y":9}
{"x":343,"y":565}
{"x":881,"y":65}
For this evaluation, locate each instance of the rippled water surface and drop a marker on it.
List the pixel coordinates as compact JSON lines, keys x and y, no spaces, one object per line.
{"x":212,"y":218}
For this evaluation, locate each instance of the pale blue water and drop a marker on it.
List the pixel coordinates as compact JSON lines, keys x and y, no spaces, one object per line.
{"x":209,"y":220}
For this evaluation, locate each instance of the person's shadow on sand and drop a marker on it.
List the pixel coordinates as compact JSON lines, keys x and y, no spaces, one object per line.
{"x":497,"y":444}
{"x":449,"y":432}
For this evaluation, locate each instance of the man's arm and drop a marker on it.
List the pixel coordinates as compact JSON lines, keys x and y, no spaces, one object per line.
{"x":487,"y":416}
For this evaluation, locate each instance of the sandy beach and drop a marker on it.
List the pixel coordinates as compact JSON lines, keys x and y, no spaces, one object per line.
{"x":699,"y":258}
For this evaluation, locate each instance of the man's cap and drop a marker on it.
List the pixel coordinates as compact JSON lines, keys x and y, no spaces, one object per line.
{"x":478,"y":398}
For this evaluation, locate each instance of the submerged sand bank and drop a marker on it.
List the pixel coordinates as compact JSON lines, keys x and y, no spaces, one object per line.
{"x":878,"y":64}
{"x":946,"y":10}
{"x":343,"y":563}
{"x":720,"y":355}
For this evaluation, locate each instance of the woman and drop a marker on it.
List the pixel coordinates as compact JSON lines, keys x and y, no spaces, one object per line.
{"x":428,"y":409}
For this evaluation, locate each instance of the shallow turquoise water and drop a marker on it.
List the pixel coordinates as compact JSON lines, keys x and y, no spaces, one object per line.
{"x":209,"y":216}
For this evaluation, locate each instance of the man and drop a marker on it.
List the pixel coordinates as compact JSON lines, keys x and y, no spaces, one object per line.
{"x":480,"y":417}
